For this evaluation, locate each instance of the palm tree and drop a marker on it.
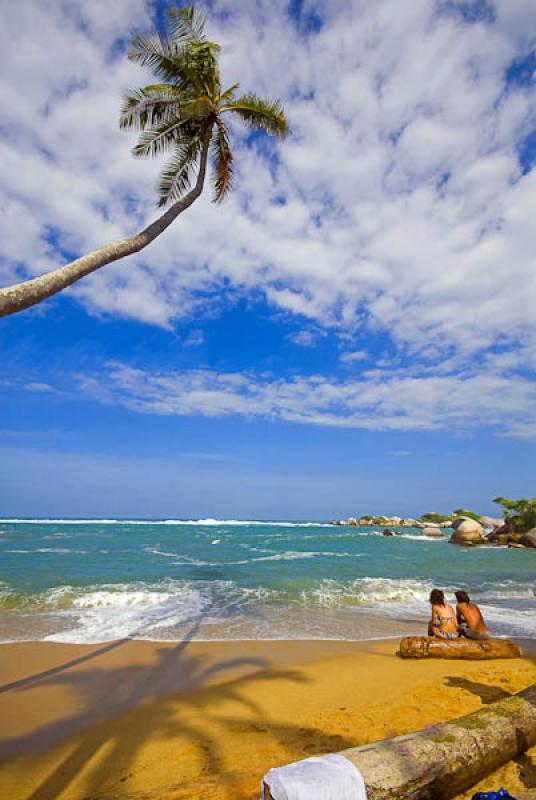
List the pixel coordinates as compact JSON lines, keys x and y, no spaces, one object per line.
{"x":183,"y":115}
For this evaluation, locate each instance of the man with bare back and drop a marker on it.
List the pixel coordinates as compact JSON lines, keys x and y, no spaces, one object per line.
{"x":470,"y":620}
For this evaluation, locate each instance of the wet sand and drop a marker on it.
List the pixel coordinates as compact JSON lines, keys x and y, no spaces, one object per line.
{"x":207,"y":719}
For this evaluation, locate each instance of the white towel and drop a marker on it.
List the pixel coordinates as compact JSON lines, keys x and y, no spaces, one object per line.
{"x":330,"y":777}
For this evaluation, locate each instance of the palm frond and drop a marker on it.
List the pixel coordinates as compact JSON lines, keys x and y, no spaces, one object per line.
{"x":228,"y":95}
{"x":158,"y":140}
{"x":142,"y":107}
{"x":154,"y":51}
{"x":186,"y":24}
{"x":176,"y":178}
{"x":198,"y":107}
{"x":201,"y":60}
{"x":222,"y":162}
{"x":184,"y":108}
{"x":260,"y":113}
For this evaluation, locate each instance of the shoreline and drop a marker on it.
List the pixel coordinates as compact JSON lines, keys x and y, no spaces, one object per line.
{"x":191,"y":719}
{"x":526,"y":643}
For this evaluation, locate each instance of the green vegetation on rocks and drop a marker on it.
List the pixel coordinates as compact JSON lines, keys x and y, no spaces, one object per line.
{"x":519,"y":515}
{"x":432,"y":517}
{"x":463,"y":512}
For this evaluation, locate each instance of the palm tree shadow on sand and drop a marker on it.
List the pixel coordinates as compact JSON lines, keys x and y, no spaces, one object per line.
{"x":104,"y":693}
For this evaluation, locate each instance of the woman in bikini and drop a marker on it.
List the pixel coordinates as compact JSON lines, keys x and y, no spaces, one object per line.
{"x":443,"y":624}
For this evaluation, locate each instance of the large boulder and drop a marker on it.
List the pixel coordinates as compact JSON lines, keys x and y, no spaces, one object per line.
{"x":461,"y":520}
{"x":468,"y":532}
{"x":529,"y":538}
{"x":432,"y":530}
{"x":468,"y":526}
{"x":491,"y":522}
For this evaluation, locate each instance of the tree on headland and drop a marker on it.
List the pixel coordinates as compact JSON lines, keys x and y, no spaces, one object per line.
{"x":183,"y":115}
{"x":519,"y":514}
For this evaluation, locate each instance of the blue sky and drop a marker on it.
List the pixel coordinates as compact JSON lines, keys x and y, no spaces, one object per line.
{"x":353,"y":332}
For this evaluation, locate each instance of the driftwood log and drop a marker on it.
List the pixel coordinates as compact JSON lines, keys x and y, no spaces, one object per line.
{"x":444,"y":760}
{"x":431,"y":647}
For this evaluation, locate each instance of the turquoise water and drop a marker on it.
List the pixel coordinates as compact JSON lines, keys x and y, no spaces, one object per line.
{"x":92,"y":581}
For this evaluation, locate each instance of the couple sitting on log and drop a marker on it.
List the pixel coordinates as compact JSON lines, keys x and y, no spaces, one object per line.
{"x":467,"y":621}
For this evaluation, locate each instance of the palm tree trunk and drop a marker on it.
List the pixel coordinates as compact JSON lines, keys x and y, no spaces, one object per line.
{"x":469,"y":649}
{"x":28,"y":293}
{"x":444,"y":760}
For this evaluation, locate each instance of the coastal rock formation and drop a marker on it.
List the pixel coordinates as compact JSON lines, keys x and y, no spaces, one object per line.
{"x":351,"y":521}
{"x":529,"y":539}
{"x":505,"y":535}
{"x":491,"y":522}
{"x":387,"y":532}
{"x":468,"y":523}
{"x":467,"y":532}
{"x":432,"y":530}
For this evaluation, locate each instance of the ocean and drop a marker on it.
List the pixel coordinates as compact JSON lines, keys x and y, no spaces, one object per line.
{"x":90,"y":581}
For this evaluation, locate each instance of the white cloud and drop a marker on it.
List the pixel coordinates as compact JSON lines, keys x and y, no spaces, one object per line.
{"x":39,"y":387}
{"x":404,"y":401}
{"x":398,"y":203}
{"x":195,"y":338}
{"x":353,"y":356}
{"x":302,"y":338}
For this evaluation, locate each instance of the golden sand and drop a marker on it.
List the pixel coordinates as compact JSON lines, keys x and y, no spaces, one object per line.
{"x":208,"y":719}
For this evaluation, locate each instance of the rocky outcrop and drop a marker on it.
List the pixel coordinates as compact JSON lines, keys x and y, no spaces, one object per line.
{"x":491,"y":522}
{"x":504,"y":535}
{"x":432,"y":531}
{"x":387,"y":532}
{"x":529,"y":538}
{"x":461,"y":520}
{"x":351,"y":521}
{"x":467,"y":532}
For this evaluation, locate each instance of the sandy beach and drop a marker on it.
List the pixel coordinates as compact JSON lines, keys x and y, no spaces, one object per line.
{"x":207,"y":719}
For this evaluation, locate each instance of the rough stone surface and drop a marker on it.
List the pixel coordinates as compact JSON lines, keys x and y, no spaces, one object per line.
{"x":468,"y":532}
{"x":491,"y":522}
{"x":468,"y":526}
{"x":529,"y":538}
{"x":432,"y":531}
{"x":501,"y":537}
